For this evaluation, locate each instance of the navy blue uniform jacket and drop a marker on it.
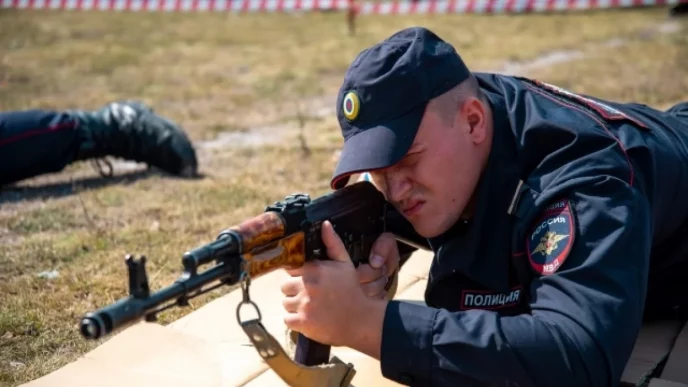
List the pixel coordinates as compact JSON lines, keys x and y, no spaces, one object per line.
{"x":581,"y":218}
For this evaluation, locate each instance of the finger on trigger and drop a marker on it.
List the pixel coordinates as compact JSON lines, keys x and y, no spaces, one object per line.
{"x":375,"y":287}
{"x":367,"y":273}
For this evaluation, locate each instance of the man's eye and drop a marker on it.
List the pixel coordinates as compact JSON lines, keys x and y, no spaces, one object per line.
{"x":411,"y":158}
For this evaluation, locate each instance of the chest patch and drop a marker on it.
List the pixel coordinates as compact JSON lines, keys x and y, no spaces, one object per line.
{"x":483,"y":299}
{"x":550,"y":241}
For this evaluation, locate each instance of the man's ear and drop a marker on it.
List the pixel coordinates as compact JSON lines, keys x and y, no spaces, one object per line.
{"x":475,"y":113}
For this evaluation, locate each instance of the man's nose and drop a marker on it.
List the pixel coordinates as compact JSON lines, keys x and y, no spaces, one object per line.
{"x":398,"y":187}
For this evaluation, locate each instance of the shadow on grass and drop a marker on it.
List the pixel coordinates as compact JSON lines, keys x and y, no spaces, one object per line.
{"x":14,"y":193}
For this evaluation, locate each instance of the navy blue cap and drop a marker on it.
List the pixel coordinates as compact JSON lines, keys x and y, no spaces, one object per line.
{"x":384,"y":94}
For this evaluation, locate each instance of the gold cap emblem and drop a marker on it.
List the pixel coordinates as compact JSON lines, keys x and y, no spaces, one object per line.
{"x":351,"y":105}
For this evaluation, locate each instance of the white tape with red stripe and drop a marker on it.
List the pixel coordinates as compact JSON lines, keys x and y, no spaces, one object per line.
{"x":502,"y":6}
{"x":394,"y":7}
{"x":236,"y":6}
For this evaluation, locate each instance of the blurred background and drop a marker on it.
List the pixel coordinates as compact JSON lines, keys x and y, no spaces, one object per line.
{"x":253,"y":83}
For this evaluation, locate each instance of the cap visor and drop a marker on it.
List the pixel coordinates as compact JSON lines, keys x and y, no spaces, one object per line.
{"x":377,"y":147}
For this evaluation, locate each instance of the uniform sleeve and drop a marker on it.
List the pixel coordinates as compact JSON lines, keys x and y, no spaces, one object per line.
{"x":585,"y":315}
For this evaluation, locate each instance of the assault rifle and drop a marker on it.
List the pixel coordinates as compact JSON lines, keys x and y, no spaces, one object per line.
{"x":286,"y":235}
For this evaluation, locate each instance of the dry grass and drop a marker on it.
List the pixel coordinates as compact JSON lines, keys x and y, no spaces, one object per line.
{"x":217,"y":73}
{"x":649,"y":68}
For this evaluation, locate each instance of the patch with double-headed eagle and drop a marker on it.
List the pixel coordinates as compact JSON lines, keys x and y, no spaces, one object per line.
{"x":351,"y":105}
{"x":551,"y":239}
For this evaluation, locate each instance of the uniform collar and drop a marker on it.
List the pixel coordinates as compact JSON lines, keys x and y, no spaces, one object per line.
{"x":481,"y":247}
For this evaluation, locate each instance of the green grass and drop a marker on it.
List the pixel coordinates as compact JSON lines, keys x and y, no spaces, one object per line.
{"x":215,"y":73}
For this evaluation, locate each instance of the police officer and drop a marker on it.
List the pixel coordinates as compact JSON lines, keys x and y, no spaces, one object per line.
{"x":35,"y":142}
{"x":558,"y":223}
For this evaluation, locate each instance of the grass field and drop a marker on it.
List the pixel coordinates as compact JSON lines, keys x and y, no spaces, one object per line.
{"x":244,"y":87}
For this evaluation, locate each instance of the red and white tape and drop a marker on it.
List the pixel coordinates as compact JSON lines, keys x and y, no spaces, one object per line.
{"x":393,"y":7}
{"x":237,"y":6}
{"x":502,"y":6}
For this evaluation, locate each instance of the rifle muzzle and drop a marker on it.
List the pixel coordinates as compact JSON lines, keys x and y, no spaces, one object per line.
{"x":119,"y":315}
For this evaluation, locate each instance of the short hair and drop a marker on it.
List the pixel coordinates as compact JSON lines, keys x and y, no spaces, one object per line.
{"x":447,"y":105}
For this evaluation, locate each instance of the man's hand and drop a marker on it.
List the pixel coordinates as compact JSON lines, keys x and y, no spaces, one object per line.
{"x":325,"y":301}
{"x":384,"y":262}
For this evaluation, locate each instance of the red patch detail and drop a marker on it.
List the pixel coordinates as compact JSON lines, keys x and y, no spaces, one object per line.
{"x":551,"y":238}
{"x":349,"y":105}
{"x":604,"y":110}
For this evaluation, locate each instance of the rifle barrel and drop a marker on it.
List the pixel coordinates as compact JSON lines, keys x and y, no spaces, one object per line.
{"x":227,"y":244}
{"x":131,"y":309}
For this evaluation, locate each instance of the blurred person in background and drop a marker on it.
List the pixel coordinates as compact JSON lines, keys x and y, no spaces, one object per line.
{"x":37,"y":141}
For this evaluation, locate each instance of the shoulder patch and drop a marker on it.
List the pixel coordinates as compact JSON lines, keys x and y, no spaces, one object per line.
{"x":607,"y":112}
{"x":549,"y":242}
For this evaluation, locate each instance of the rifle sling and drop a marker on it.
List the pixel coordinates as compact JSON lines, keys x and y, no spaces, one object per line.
{"x":334,"y":374}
